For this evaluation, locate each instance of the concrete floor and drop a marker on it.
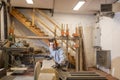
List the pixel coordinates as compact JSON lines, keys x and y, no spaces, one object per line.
{"x":29,"y":75}
{"x":108,"y":76}
{"x":17,"y":78}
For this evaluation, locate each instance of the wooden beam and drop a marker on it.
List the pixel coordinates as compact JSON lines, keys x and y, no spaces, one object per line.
{"x":85,"y":75}
{"x":86,"y":78}
{"x":32,"y":37}
{"x":83,"y":72}
{"x":46,"y":9}
{"x":18,"y":68}
{"x":33,"y":17}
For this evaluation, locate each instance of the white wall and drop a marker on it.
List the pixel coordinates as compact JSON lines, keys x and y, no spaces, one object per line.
{"x":110,"y":34}
{"x":73,"y":20}
{"x":110,"y":40}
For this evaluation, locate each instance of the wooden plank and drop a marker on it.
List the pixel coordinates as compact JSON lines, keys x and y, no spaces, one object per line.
{"x":85,"y":75}
{"x":81,"y":51}
{"x":37,"y":70}
{"x":33,"y":17}
{"x":47,"y":64}
{"x":18,"y":72}
{"x":32,"y":37}
{"x":47,"y":72}
{"x":83,"y":72}
{"x":47,"y":76}
{"x":77,"y":60}
{"x":86,"y":78}
{"x":17,"y":68}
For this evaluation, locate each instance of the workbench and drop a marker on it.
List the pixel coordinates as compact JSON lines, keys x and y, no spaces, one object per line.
{"x":8,"y":51}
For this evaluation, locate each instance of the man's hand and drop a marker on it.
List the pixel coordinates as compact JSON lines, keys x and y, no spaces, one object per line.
{"x":49,"y":58}
{"x":56,"y":65}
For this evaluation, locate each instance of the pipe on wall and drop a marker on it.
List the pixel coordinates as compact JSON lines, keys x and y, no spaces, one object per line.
{"x":5,"y":20}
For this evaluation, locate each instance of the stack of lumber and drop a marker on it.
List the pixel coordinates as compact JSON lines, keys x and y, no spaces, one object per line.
{"x":47,"y":72}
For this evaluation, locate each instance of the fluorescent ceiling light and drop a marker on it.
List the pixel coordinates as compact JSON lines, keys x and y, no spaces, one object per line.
{"x":118,"y":1}
{"x":29,"y":1}
{"x":79,"y":4}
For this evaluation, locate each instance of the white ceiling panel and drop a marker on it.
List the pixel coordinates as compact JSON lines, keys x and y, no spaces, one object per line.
{"x":64,"y":6}
{"x":37,"y":3}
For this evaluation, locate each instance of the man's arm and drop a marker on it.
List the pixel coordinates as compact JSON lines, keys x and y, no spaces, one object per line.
{"x":62,"y":57}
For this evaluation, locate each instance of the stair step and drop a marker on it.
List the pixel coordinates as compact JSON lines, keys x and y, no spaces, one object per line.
{"x":39,"y":30}
{"x":42,"y":32}
{"x":17,"y":12}
{"x":35,"y":27}
{"x":46,"y":35}
{"x":20,"y":14}
{"x":28,"y":22}
{"x":24,"y":19}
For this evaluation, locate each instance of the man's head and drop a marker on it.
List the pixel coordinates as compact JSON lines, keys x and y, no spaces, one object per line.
{"x":53,"y":43}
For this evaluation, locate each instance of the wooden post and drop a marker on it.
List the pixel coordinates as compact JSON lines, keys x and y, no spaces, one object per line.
{"x":62,"y":34}
{"x":81,"y":50}
{"x":67,"y":40}
{"x":62,"y":30}
{"x":67,"y":30}
{"x":55,"y":32}
{"x":11,"y":36}
{"x":77,"y":60}
{"x":33,"y":17}
{"x":77,"y":46}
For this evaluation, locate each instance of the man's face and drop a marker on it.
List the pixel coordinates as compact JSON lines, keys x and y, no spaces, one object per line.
{"x":53,"y":45}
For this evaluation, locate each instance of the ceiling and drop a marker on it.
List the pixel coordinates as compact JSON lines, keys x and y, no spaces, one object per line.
{"x":64,"y":6}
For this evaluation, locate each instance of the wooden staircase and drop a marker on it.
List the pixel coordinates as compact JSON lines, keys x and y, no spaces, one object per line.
{"x":27,"y":23}
{"x":54,"y":23}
